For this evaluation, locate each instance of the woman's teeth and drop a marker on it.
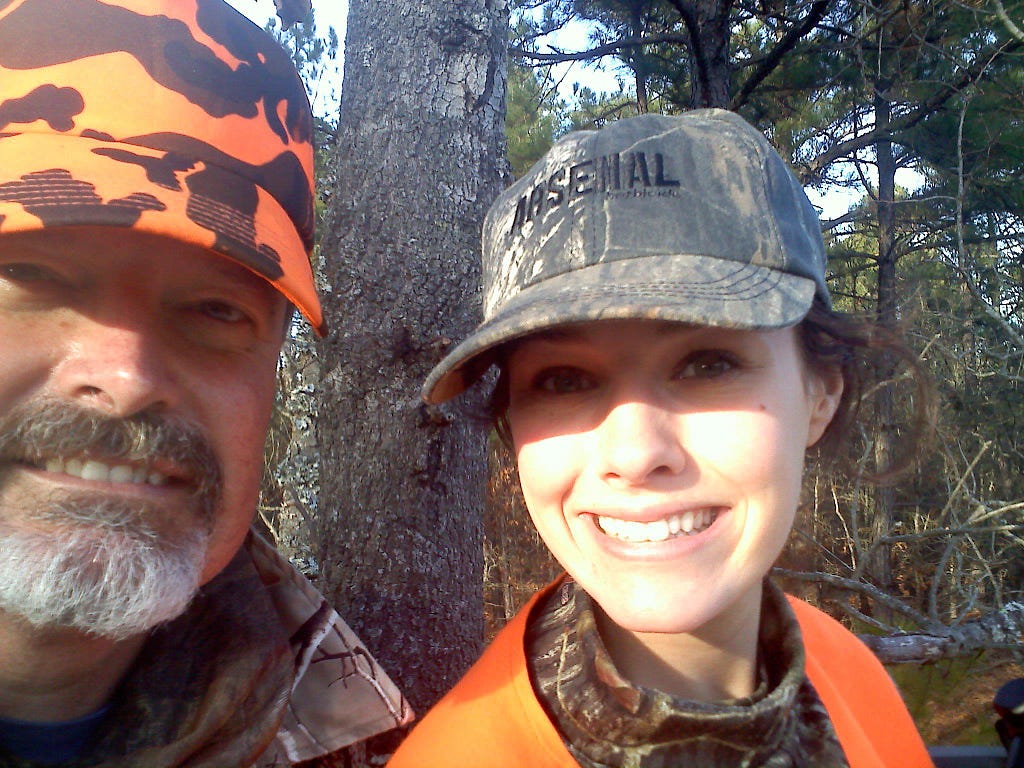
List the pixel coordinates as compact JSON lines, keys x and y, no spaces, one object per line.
{"x":90,"y":469}
{"x":686,"y":523}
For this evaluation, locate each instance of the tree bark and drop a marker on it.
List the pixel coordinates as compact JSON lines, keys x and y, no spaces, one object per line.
{"x":420,"y":156}
{"x":885,"y":499}
{"x":708,"y":23}
{"x":639,"y":64}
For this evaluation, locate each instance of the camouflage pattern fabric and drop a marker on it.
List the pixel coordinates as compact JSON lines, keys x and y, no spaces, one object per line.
{"x":341,"y":695}
{"x":606,"y":721}
{"x":177,"y":117}
{"x":258,"y":672}
{"x":691,"y":218}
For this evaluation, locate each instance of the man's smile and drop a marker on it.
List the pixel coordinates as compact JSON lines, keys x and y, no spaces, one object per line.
{"x":93,"y":469}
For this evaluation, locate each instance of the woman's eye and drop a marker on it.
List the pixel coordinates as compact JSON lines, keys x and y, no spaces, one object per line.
{"x":707,"y":364}
{"x":563,"y":381}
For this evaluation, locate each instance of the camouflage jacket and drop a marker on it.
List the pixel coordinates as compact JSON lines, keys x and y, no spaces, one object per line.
{"x":494,"y":717}
{"x":260,"y":671}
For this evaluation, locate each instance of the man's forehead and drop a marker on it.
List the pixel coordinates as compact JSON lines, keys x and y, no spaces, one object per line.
{"x":92,"y":245}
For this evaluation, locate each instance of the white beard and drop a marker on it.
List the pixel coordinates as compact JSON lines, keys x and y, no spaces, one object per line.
{"x":98,"y":568}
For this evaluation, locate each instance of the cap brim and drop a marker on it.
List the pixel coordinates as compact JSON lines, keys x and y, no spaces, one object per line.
{"x":87,"y":182}
{"x":701,"y":290}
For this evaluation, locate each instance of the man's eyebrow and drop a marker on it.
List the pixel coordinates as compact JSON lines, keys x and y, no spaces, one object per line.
{"x":235,"y":272}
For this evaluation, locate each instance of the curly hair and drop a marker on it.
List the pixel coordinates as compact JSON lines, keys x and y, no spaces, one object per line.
{"x":867,"y":355}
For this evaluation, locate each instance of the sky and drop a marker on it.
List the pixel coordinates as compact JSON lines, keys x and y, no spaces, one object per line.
{"x":334,"y":13}
{"x":575,"y":37}
{"x":326,"y":13}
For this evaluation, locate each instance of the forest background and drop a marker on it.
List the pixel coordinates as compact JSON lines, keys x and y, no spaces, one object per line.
{"x":906,"y":118}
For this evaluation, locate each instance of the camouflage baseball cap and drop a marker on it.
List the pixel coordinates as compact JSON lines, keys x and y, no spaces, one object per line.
{"x":177,"y":117}
{"x":692,"y":218}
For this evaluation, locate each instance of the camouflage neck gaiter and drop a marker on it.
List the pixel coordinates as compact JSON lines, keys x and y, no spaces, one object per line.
{"x":209,"y":689}
{"x":606,"y":721}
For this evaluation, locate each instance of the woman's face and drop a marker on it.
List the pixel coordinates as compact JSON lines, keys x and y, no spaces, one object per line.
{"x":661,"y":462}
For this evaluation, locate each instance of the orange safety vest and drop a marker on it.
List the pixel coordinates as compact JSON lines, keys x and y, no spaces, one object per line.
{"x":492,"y":718}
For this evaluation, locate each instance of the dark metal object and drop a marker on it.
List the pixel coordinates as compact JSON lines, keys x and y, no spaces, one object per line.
{"x":1009,"y":705}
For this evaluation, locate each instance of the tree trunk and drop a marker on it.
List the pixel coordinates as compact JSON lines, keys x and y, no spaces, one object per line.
{"x":884,"y":513}
{"x":709,"y":24}
{"x":420,"y":156}
{"x":639,"y":61}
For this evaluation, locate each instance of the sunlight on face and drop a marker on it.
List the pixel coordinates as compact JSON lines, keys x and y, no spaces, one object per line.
{"x":661,"y":463}
{"x":132,"y":328}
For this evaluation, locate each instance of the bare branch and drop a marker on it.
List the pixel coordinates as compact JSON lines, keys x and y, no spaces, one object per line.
{"x":987,"y":308}
{"x":1004,"y":17}
{"x":963,"y":479}
{"x":999,"y":629}
{"x":771,"y":61}
{"x":851,"y":585}
{"x":559,"y":57}
{"x":809,"y":171}
{"x":936,"y":532}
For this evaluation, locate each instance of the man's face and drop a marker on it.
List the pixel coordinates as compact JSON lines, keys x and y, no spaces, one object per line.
{"x":137,"y":378}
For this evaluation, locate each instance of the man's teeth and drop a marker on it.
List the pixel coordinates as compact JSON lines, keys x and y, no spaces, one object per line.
{"x":90,"y":469}
{"x":685,"y":523}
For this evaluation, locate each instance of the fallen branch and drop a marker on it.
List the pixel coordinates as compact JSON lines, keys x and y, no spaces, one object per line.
{"x":851,"y":585}
{"x":1003,"y":628}
{"x":999,"y":629}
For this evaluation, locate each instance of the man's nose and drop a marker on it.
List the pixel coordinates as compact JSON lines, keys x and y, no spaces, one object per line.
{"x":639,"y":439}
{"x":119,"y":370}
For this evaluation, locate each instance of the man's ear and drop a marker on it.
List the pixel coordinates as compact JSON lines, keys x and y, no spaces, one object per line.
{"x":824,"y":393}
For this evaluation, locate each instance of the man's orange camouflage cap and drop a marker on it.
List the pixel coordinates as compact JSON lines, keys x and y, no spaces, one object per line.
{"x":176,"y":117}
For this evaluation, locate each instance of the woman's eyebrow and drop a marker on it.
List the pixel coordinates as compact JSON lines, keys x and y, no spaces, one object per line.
{"x":578,"y":331}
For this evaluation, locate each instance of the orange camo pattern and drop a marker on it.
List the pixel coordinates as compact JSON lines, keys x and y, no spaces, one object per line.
{"x":179,"y":117}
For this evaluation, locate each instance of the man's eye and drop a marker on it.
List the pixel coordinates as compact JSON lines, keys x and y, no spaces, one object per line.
{"x":563,"y":381}
{"x":707,"y":364}
{"x":222,"y":311}
{"x":27,"y":273}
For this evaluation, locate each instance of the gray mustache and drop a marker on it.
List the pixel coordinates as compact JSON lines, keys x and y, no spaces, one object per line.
{"x":45,"y":428}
